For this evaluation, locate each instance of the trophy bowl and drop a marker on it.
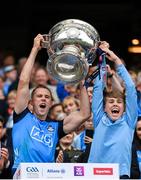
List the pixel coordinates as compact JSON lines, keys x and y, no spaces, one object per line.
{"x":71,"y":45}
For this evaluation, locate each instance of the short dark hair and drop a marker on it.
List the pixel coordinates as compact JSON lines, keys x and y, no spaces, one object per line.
{"x":41,"y":86}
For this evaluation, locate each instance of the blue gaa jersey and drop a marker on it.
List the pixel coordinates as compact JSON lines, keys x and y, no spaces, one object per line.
{"x":34,"y":140}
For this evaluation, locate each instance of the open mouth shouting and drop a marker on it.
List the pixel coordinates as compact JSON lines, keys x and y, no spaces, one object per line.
{"x":114,"y":107}
{"x":115,"y":113}
{"x":42,"y":105}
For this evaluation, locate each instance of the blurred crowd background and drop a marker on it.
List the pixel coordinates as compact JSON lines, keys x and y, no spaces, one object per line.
{"x":118,"y":22}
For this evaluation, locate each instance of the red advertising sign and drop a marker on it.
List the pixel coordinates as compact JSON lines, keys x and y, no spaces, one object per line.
{"x":103,"y":171}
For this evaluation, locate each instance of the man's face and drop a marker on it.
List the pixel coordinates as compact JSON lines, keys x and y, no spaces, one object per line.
{"x":41,"y":103}
{"x":41,"y":77}
{"x":114,"y":107}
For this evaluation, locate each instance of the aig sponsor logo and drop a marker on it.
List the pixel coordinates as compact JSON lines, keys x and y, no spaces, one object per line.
{"x":103,"y":171}
{"x":32,"y":169}
{"x":41,"y":136}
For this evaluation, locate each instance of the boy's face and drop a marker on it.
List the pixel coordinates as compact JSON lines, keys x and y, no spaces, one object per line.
{"x":114,"y":107}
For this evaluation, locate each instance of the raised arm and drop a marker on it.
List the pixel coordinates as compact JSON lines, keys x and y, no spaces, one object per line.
{"x":131,"y":95}
{"x":23,"y":93}
{"x":113,"y":77}
{"x":75,"y":119}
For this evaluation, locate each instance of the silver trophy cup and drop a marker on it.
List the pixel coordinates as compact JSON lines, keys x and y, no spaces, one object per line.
{"x":71,"y":46}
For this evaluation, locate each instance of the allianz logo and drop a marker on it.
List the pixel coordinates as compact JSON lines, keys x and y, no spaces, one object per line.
{"x":32,"y":169}
{"x":56,"y":171}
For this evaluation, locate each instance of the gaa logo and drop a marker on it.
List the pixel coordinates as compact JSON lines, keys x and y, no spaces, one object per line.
{"x":32,"y":169}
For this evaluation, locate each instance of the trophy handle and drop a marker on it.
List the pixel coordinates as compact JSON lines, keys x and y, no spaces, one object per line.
{"x":46,"y":44}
